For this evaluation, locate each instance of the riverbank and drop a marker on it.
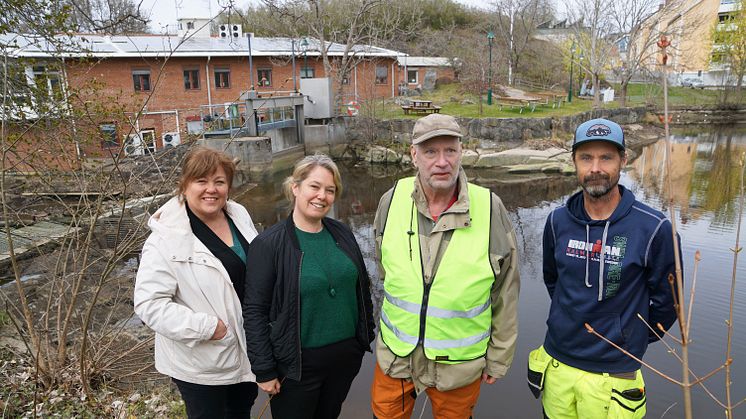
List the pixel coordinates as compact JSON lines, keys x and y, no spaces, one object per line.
{"x":506,"y":145}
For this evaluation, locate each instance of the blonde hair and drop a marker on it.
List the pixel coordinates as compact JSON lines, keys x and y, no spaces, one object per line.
{"x":201,"y":162}
{"x":304,"y":167}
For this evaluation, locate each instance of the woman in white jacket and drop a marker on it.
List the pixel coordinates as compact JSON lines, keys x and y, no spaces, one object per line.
{"x":189,"y":289}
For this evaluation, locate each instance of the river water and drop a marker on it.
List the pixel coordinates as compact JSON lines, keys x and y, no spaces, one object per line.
{"x":705,"y":187}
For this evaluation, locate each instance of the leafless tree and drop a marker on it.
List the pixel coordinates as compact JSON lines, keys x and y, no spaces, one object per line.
{"x":355,"y":24}
{"x":108,"y":16}
{"x":516,"y":22}
{"x":629,"y":18}
{"x":592,"y":38}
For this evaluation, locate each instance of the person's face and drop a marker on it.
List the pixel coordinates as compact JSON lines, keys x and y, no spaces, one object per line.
{"x":438,"y":160}
{"x":598,"y":165}
{"x":207,"y":195}
{"x":315,"y":195}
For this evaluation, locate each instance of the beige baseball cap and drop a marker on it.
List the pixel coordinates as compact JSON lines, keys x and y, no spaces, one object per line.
{"x":435,"y":125}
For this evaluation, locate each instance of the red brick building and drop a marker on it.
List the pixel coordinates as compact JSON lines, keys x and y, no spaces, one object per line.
{"x":160,"y":87}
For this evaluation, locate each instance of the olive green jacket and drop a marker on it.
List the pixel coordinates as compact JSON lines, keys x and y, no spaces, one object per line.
{"x":434,"y":239}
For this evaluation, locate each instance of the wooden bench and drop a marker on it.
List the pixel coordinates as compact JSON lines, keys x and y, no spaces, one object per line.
{"x":420,"y":107}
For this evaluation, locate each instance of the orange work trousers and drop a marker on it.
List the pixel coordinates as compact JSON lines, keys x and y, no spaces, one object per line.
{"x":393,"y":398}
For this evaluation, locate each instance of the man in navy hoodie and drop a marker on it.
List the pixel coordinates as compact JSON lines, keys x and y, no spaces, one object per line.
{"x":607,"y":258}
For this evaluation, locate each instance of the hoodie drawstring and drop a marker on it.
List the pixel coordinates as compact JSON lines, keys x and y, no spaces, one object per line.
{"x":601,"y":259}
{"x":601,"y":263}
{"x":587,"y":258}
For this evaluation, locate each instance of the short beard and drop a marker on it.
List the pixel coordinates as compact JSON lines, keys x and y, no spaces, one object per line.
{"x":598,"y":190}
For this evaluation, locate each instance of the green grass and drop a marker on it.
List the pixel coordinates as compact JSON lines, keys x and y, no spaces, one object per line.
{"x":449,"y":97}
{"x":677,"y":96}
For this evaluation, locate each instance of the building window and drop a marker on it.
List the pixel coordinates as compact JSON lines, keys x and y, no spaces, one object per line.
{"x":307,"y":72}
{"x":412,"y":76}
{"x":382,"y":74}
{"x":191,"y":79}
{"x":47,"y":82}
{"x":190,"y":25}
{"x":141,"y":79}
{"x":222,"y":78}
{"x":264,"y":75}
{"x":108,"y":135}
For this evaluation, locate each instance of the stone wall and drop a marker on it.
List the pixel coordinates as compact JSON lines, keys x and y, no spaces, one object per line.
{"x":485,"y":133}
{"x":702,"y":115}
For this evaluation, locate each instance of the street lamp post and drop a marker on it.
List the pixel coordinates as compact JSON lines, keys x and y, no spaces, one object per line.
{"x":572,"y":58}
{"x":490,"y":37}
{"x":304,"y":47}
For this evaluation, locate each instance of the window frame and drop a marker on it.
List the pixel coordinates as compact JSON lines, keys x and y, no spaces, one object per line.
{"x":191,"y":78}
{"x":109,"y":129}
{"x":217,"y":72}
{"x":416,"y":76}
{"x":141,"y":77}
{"x":260,"y":76}
{"x":304,"y":72}
{"x":381,"y":79}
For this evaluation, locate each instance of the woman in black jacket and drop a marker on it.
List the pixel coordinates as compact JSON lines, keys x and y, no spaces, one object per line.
{"x":307,"y":307}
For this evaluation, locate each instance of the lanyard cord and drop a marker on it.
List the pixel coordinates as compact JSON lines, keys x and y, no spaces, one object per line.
{"x":410,"y":232}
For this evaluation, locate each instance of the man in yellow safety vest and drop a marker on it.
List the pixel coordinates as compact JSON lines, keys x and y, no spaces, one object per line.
{"x":447,"y":257}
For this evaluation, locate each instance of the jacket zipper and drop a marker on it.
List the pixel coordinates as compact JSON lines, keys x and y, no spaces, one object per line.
{"x":423,"y":312}
{"x":297,"y":320}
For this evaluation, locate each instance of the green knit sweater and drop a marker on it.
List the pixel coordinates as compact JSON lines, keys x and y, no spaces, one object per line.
{"x":328,"y":291}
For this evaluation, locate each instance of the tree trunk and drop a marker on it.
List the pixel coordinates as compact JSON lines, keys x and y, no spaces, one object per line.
{"x":596,"y":93}
{"x":623,"y":93}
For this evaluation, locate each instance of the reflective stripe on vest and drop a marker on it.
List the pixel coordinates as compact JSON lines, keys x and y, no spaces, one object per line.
{"x":451,"y":316}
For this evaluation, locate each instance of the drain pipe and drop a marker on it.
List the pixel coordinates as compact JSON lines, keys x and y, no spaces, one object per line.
{"x":251,"y":64}
{"x":207,"y":81}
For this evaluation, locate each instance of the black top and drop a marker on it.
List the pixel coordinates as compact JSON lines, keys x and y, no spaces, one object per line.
{"x":231,"y":262}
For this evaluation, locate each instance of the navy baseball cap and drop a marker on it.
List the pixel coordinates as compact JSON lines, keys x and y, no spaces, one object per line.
{"x":599,"y":130}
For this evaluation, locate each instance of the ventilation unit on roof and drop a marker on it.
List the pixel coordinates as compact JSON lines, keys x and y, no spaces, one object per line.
{"x":171,"y":139}
{"x":133,"y":145}
{"x":230,"y":30}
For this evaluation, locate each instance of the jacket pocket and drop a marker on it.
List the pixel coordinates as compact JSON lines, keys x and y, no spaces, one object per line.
{"x":282,"y":339}
{"x":567,"y":330}
{"x":211,"y":356}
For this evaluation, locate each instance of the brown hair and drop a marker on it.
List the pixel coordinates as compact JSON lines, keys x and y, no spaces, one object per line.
{"x":304,"y":166}
{"x":201,"y":162}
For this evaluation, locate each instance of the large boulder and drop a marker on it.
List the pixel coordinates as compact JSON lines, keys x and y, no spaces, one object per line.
{"x":469,"y":158}
{"x":379,"y":154}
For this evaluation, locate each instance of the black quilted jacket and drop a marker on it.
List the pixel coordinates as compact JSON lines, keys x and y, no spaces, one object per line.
{"x":271,"y":304}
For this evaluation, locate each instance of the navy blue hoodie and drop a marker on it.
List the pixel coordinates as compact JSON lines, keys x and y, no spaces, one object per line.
{"x":636,"y":245}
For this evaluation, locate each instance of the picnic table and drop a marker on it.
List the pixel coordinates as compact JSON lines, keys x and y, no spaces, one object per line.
{"x":520,"y":103}
{"x":553,"y":98}
{"x":420,"y":107}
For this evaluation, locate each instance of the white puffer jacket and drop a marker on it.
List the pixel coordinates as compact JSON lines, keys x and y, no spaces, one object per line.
{"x":181,"y":291}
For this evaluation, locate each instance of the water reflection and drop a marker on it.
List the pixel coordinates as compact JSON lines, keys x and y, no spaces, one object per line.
{"x":705,"y":170}
{"x":705,"y":191}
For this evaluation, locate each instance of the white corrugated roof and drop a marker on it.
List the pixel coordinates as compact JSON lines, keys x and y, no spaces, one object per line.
{"x":424,"y":61}
{"x":91,"y":45}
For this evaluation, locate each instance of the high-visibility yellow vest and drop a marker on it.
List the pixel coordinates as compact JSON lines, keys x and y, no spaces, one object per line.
{"x":451,"y":316}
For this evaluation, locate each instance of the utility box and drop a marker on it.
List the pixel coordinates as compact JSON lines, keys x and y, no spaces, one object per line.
{"x":318,"y":99}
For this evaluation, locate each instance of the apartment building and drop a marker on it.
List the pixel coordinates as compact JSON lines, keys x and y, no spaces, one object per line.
{"x":689,"y":26}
